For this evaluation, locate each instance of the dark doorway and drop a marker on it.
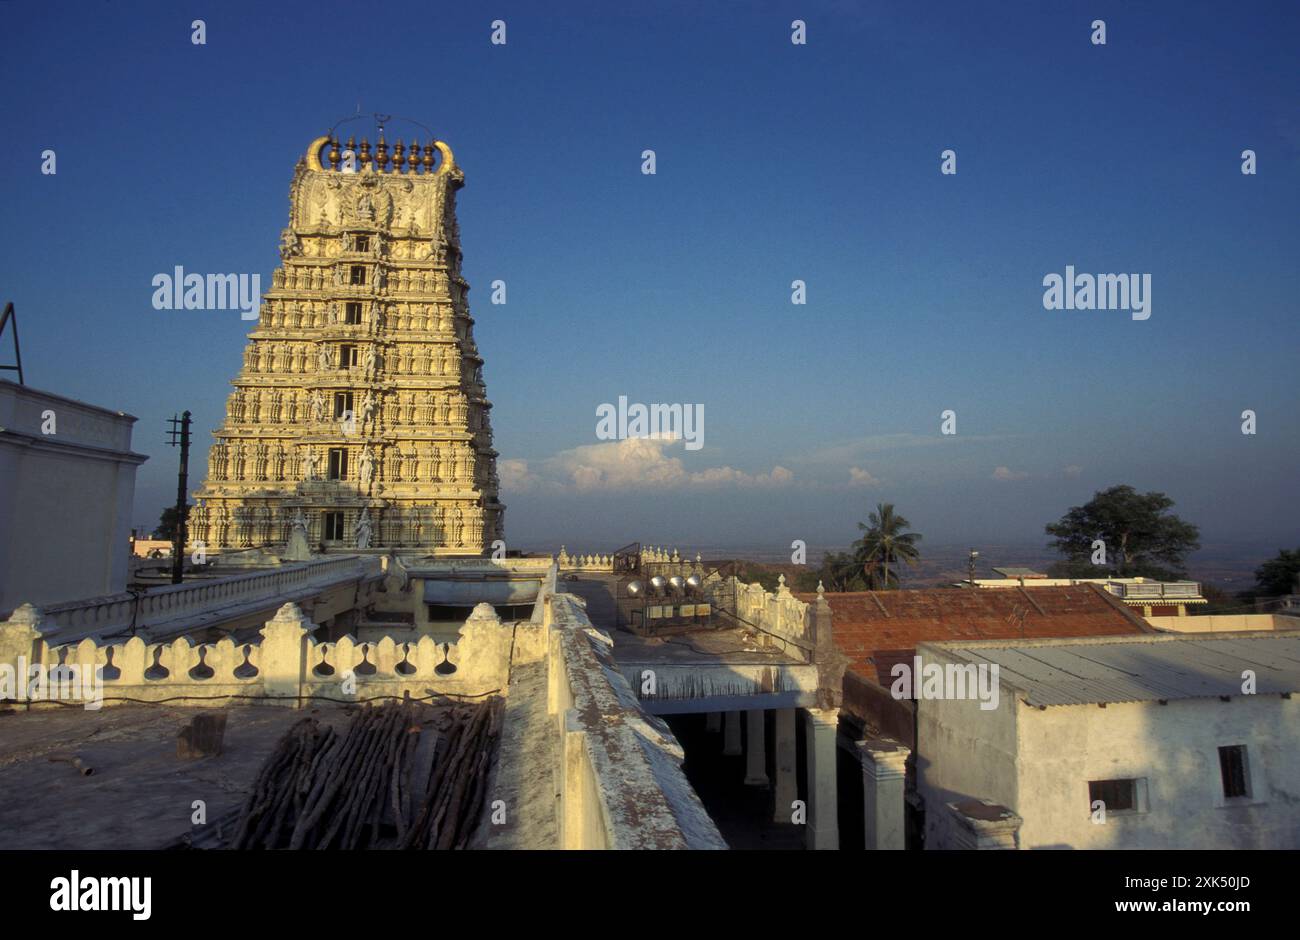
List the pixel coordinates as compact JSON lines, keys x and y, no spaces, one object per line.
{"x":743,"y":814}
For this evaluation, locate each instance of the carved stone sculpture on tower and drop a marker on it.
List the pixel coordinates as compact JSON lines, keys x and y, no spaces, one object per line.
{"x":309,"y":466}
{"x":362,"y":529}
{"x":367,"y":466}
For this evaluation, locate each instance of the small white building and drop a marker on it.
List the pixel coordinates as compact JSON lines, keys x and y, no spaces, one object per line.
{"x":67,"y":482}
{"x":1154,"y":741}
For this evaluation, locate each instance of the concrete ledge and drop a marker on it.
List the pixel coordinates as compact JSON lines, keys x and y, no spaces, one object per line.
{"x":620,"y":780}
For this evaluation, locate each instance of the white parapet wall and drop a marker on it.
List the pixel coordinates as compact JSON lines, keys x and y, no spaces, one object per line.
{"x":619,"y":775}
{"x":780,"y":615}
{"x":604,"y":564}
{"x":286,"y":666}
{"x":1218,"y":623}
{"x":197,"y":605}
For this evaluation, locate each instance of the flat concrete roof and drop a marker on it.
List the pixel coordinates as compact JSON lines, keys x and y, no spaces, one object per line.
{"x":703,"y":647}
{"x":140,"y":794}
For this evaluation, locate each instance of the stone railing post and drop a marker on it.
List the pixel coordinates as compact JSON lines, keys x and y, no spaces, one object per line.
{"x":884,"y":775}
{"x":20,"y":636}
{"x":831,"y":663}
{"x":823,"y":830}
{"x":484,"y":647}
{"x":283,"y":661}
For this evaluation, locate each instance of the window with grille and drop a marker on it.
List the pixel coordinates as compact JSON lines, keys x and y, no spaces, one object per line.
{"x":352,"y":313}
{"x":342,"y":404}
{"x":358,"y":275}
{"x":363,"y":243}
{"x":333,"y":526}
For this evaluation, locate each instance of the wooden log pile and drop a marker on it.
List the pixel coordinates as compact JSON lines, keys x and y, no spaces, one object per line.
{"x":402,"y":775}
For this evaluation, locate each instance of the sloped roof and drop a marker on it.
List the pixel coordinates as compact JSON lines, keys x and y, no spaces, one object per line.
{"x":877,"y":629}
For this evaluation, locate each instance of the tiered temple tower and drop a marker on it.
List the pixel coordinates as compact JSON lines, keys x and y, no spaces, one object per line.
{"x":360,"y":416}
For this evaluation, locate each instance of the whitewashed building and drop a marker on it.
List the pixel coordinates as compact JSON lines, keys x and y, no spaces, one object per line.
{"x":1157,"y":741}
{"x":67,"y":482}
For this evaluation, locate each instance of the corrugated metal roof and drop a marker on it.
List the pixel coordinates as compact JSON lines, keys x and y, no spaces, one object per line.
{"x":1140,"y":669}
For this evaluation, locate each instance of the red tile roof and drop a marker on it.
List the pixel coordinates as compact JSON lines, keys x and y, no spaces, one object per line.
{"x":877,"y":629}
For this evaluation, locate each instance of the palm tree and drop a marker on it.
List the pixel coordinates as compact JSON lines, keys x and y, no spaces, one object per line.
{"x":883,"y":543}
{"x":840,"y":571}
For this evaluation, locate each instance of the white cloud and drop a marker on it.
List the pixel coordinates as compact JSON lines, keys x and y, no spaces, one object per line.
{"x":1007,"y":474}
{"x":860,"y":477}
{"x":514,"y":475}
{"x":1073,"y":470}
{"x":633,"y":463}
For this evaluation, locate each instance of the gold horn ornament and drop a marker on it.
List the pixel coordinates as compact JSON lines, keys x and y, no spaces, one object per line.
{"x":313,"y":152}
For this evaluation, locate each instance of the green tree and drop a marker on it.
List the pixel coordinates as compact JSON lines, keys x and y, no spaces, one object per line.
{"x":884,"y":542}
{"x":752,"y":573}
{"x":840,"y":571}
{"x":167,"y":524}
{"x":1277,"y":576}
{"x":1142,"y":538}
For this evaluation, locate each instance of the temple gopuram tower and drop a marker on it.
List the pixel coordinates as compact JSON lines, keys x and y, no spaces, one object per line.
{"x":360,"y":418}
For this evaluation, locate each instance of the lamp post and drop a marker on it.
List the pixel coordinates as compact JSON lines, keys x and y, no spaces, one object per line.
{"x":971,"y":565}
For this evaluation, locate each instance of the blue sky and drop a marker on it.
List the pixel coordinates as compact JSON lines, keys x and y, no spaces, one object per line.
{"x":775,"y":162}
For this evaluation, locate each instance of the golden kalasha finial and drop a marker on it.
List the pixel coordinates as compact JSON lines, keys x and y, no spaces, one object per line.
{"x":414,"y":158}
{"x":398,"y":161}
{"x":334,"y":153}
{"x":428,"y":158}
{"x":381,"y":154}
{"x":365,"y":152}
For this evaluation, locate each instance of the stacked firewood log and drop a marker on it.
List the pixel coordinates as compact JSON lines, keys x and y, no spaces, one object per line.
{"x":403,"y":775}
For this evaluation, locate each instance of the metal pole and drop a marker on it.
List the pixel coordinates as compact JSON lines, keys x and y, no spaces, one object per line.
{"x":182,"y":507}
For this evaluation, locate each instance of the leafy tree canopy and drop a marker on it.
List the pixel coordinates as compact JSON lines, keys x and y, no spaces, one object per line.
{"x":1277,"y":576}
{"x":167,"y":524}
{"x":1142,"y":538}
